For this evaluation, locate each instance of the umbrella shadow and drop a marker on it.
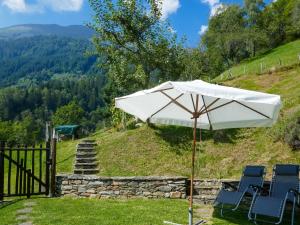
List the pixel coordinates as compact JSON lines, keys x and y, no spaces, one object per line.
{"x":180,"y":138}
{"x":225,"y":136}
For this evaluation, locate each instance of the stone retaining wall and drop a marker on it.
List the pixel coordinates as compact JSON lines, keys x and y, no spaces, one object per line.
{"x":121,"y":187}
{"x":206,"y":190}
{"x":92,"y":186}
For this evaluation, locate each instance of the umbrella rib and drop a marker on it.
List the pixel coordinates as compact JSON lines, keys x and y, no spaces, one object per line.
{"x":177,"y":103}
{"x":210,"y":125}
{"x":201,"y":110}
{"x":162,"y":90}
{"x":165,"y":106}
{"x":193,"y":102}
{"x":254,"y":110}
{"x":219,"y":106}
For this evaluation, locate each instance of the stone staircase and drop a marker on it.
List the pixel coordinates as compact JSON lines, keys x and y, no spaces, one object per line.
{"x":86,"y":158}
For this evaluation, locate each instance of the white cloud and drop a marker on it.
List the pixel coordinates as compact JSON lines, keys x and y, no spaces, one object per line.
{"x":211,"y":2}
{"x":203,"y":29}
{"x":15,"y":5}
{"x":63,"y":5}
{"x":21,"y":6}
{"x":215,"y":6}
{"x":217,"y":9}
{"x":169,"y":7}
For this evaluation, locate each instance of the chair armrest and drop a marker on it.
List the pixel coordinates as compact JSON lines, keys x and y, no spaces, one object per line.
{"x":259,"y":189}
{"x":295,"y":192}
{"x":227,"y":184}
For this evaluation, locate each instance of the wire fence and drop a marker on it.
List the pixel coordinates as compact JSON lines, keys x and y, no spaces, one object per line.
{"x":264,"y":66}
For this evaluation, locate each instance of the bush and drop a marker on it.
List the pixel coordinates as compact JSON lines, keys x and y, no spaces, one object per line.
{"x":292,"y":134}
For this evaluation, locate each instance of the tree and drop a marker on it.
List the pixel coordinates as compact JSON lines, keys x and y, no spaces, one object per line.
{"x":68,"y":114}
{"x":254,"y":10}
{"x":276,"y":22}
{"x":139,"y":49}
{"x":225,"y":37}
{"x":256,"y":37}
{"x":197,"y":65}
{"x":293,"y":13}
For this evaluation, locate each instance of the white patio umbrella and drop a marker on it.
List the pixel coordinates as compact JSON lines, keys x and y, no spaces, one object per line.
{"x":199,"y":104}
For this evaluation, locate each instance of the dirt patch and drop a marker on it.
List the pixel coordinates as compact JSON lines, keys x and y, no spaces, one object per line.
{"x":268,"y":80}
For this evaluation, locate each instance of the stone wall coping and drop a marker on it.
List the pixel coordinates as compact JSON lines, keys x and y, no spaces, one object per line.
{"x":132,"y":178}
{"x":140,"y":178}
{"x":217,"y":180}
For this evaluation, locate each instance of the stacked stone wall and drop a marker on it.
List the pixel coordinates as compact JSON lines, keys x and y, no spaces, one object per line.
{"x":121,"y":187}
{"x":92,"y":186}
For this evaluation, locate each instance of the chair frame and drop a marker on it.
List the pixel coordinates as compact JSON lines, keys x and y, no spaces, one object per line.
{"x":295,"y":202}
{"x":236,"y":188}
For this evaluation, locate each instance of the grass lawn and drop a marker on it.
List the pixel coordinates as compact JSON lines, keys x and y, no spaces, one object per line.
{"x":66,"y":211}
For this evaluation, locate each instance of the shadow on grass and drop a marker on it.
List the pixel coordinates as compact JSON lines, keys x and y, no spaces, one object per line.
{"x":66,"y":159}
{"x":14,"y":200}
{"x":6,"y":203}
{"x":180,"y":138}
{"x":231,"y":217}
{"x":241,"y":217}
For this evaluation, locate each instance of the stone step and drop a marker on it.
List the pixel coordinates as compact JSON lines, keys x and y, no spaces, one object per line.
{"x":86,"y":171}
{"x":88,"y":141}
{"x":86,"y":150}
{"x":80,"y":155}
{"x":86,"y":165}
{"x":86,"y":160}
{"x":204,"y":198}
{"x":83,"y":145}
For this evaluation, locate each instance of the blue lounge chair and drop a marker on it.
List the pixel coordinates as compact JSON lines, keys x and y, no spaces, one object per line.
{"x":284,"y":188}
{"x":252,"y":176}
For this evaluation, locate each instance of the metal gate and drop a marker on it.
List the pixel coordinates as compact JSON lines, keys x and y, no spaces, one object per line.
{"x":24,"y":170}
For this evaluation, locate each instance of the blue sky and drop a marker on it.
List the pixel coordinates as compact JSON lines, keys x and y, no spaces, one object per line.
{"x":188,"y":18}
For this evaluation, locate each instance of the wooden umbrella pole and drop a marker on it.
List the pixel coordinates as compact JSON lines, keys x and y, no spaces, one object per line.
{"x":192,"y":176}
{"x":193,"y":163}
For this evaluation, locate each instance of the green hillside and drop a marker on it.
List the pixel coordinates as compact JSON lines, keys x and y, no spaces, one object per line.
{"x":166,"y":150}
{"x":282,"y":57}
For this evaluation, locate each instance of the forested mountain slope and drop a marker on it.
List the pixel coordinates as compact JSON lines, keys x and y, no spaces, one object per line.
{"x":43,"y":68}
{"x":39,"y":58}
{"x":31,"y":30}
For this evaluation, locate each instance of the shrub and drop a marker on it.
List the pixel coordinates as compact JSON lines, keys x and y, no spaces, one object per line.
{"x":292,"y":134}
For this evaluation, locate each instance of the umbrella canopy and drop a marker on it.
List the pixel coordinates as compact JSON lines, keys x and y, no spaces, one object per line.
{"x":219,"y":107}
{"x":202,"y":105}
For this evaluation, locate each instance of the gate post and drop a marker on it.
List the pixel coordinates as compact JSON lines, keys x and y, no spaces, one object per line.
{"x":53,"y":167}
{"x":2,"y":145}
{"x":48,"y":163}
{"x":28,"y":173}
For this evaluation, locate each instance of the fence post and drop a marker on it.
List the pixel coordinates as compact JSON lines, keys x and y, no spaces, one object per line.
{"x":2,"y":145}
{"x":53,"y":167}
{"x":28,"y":182}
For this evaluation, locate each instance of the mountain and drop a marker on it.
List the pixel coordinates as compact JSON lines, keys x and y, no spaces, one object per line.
{"x":31,"y":30}
{"x":35,"y":53}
